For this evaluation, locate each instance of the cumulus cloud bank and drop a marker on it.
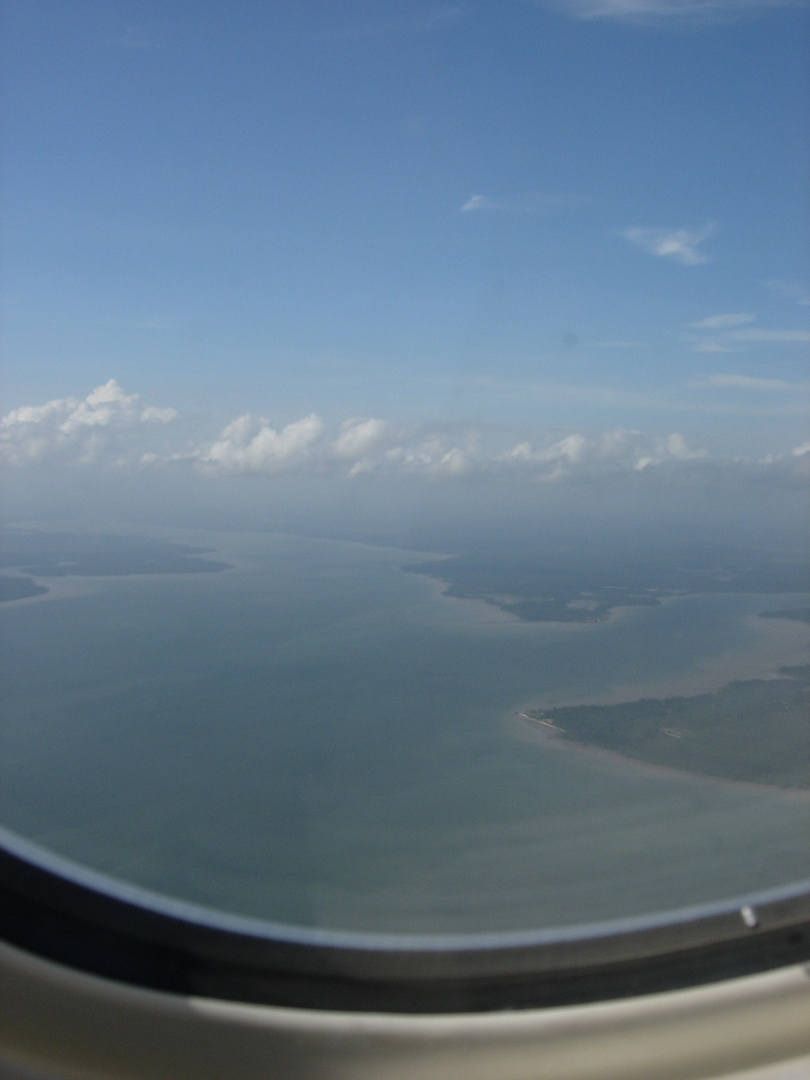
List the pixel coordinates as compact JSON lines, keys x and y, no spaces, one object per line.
{"x":612,"y":451}
{"x":104,"y":426}
{"x":358,"y":436}
{"x":113,"y":429}
{"x":249,"y":445}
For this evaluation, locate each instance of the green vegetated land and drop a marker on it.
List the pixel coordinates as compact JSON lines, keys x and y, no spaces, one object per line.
{"x":579,"y":609}
{"x":59,"y":554}
{"x":545,"y":589}
{"x":755,"y":730}
{"x":45,"y":554}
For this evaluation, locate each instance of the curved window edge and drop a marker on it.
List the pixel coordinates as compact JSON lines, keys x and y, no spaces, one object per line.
{"x":61,"y":912}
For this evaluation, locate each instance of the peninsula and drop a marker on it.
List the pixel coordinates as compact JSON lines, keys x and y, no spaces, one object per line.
{"x":35,"y":554}
{"x":553,"y":587}
{"x":755,"y":730}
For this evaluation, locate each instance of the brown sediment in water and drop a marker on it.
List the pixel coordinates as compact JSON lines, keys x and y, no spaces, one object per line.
{"x":528,"y":730}
{"x":783,"y":643}
{"x":474,"y":607}
{"x":483,"y":609}
{"x":58,"y":589}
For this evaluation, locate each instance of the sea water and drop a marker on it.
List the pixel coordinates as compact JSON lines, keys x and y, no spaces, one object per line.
{"x":317,"y":738}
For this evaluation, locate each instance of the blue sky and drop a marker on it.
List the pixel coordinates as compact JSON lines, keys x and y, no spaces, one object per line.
{"x":487,"y":224}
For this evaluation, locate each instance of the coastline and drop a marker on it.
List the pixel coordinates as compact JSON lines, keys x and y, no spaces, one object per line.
{"x":783,"y":643}
{"x":490,"y":611}
{"x":477,"y":607}
{"x":67,"y":586}
{"x":528,"y":731}
{"x":58,"y":589}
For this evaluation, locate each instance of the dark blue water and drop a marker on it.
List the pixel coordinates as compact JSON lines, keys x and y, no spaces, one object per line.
{"x":318,"y":738}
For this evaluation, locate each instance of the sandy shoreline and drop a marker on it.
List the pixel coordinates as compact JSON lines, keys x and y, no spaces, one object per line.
{"x":58,"y":589}
{"x":783,"y":643}
{"x":474,"y":607}
{"x":530,"y":732}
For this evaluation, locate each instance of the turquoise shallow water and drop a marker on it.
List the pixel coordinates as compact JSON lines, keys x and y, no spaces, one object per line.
{"x":318,"y":738}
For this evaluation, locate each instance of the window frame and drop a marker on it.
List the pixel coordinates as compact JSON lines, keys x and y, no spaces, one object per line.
{"x":65,"y":913}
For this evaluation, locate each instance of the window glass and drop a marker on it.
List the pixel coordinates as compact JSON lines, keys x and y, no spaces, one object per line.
{"x":405,"y":451}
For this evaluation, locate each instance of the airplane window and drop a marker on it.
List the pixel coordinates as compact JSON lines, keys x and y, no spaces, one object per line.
{"x":405,"y":450}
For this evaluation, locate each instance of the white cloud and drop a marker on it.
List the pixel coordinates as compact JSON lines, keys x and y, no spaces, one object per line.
{"x":105,"y":405}
{"x":358,"y":441}
{"x":794,"y":467}
{"x":104,"y":426}
{"x":678,"y":244}
{"x":455,"y":462}
{"x":358,"y":438}
{"x":677,"y":448}
{"x":161,"y":416}
{"x":249,"y":445}
{"x":475,"y":202}
{"x":113,"y":429}
{"x":723,"y":322}
{"x":668,"y":11}
{"x":747,"y":382}
{"x":432,"y":456}
{"x":620,"y":450}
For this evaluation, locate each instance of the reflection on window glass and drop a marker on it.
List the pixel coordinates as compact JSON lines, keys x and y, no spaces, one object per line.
{"x":405,"y":442}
